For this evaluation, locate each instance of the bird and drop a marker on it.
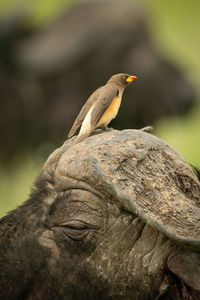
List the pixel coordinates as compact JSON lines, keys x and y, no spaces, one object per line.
{"x":101,"y":107}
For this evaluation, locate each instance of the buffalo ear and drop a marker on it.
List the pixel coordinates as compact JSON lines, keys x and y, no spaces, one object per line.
{"x":186,"y":266}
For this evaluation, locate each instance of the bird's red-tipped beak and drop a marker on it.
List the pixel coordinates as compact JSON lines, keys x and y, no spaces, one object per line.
{"x":131,"y":78}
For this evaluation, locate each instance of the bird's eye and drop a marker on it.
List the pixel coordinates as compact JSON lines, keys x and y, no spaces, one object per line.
{"x":124,"y":77}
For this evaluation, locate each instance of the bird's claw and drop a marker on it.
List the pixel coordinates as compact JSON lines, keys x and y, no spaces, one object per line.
{"x":107,"y":128}
{"x":147,"y":129}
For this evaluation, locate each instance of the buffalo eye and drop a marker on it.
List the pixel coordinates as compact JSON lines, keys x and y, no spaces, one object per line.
{"x":76,"y":229}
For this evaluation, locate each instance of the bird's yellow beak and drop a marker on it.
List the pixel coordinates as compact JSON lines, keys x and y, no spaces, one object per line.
{"x":131,"y":78}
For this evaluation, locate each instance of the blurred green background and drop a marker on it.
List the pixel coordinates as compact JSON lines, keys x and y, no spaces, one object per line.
{"x":175,"y":27}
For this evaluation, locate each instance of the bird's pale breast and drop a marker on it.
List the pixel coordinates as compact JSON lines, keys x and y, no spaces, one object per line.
{"x":110,"y":112}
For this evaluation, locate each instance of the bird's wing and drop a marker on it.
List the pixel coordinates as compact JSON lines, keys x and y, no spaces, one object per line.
{"x":84,"y":111}
{"x":102,"y":103}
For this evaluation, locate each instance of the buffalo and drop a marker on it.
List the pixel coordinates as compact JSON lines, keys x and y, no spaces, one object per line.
{"x":113,"y":217}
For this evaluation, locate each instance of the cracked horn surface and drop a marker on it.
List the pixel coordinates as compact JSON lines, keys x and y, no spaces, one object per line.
{"x":143,"y":173}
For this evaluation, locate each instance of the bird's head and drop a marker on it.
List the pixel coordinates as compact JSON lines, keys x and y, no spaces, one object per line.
{"x":122,"y":79}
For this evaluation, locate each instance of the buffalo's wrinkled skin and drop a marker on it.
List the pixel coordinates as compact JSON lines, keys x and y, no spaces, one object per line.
{"x":113,"y":217}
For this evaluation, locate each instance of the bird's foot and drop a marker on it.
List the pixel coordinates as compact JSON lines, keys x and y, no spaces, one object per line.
{"x":96,"y":131}
{"x":100,"y":129}
{"x":147,"y":129}
{"x":105,"y":128}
